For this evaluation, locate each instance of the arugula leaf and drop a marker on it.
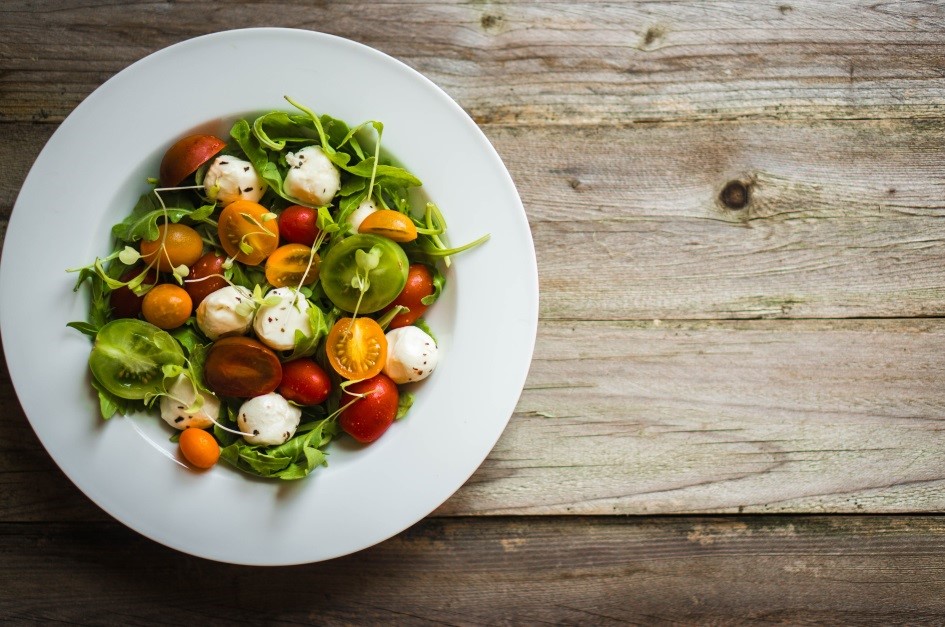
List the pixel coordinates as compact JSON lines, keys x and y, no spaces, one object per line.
{"x":109,"y":404}
{"x":257,"y":155}
{"x":439,"y":282}
{"x":294,"y":459}
{"x":404,"y":403}
{"x":142,"y":223}
{"x":277,"y":128}
{"x":420,"y":322}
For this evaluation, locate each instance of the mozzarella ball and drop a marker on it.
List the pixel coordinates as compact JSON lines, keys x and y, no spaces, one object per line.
{"x":366,"y":208}
{"x":268,"y":419}
{"x":275,"y":325}
{"x":411,"y":355}
{"x":223,"y":312}
{"x":181,"y":396}
{"x":229,"y":179}
{"x":312,"y":177}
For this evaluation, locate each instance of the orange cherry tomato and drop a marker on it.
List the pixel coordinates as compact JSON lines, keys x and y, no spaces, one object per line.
{"x":242,"y":367}
{"x":419,"y":285}
{"x":167,"y":306}
{"x":186,"y":155}
{"x":199,"y":447}
{"x":176,"y":244}
{"x":357,"y":348}
{"x":286,"y":265}
{"x":244,"y":222}
{"x":390,"y":224}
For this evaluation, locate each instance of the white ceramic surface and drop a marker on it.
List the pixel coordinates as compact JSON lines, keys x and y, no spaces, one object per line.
{"x":88,"y":177}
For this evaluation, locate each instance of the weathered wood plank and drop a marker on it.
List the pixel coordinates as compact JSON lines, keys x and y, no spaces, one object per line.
{"x":561,"y":62}
{"x":843,"y":218}
{"x":823,"y":570}
{"x":684,"y":417}
{"x":766,"y":416}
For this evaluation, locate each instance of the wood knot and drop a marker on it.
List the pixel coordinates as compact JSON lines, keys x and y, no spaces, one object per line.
{"x":490,"y":22}
{"x":735,"y":195}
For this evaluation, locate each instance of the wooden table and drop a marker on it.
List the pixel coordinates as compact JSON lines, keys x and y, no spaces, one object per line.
{"x":735,"y":409}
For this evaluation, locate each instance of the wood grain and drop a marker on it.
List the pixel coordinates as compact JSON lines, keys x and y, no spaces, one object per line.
{"x":843,"y":218}
{"x":595,"y":571}
{"x":544,"y":62}
{"x":672,"y":417}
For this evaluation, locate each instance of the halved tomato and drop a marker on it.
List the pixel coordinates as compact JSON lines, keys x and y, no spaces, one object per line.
{"x":186,"y":155}
{"x":286,"y":266}
{"x":242,"y":367}
{"x":247,"y":233}
{"x":390,"y":224}
{"x":357,"y":348}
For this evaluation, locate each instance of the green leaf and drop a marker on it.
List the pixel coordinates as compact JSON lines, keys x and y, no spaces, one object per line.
{"x":422,"y":324}
{"x":294,"y":459}
{"x":404,"y":403}
{"x":142,"y":223}
{"x":109,"y":404}
{"x":439,"y":282}
{"x":320,"y":322}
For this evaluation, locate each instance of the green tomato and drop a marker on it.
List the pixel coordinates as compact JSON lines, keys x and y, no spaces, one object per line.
{"x":129,"y":356}
{"x":340,"y":272}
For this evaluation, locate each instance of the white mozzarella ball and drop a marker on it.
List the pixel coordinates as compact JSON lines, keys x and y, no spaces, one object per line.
{"x":411,"y":355}
{"x":312,"y":177}
{"x":366,"y":208}
{"x":229,"y":179}
{"x":227,"y":311}
{"x":181,"y":396}
{"x":268,"y":419}
{"x":275,"y":325}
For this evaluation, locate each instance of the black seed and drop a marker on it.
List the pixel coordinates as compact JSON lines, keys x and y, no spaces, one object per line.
{"x":246,"y":169}
{"x":224,"y":162}
{"x":255,"y":431}
{"x":269,"y":318}
{"x":179,"y":419}
{"x":248,"y":189}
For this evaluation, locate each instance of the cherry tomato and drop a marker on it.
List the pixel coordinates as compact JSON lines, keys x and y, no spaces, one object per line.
{"x":176,"y":245}
{"x":340,"y":266}
{"x":390,"y":224}
{"x":242,"y":367}
{"x":186,"y":155}
{"x":124,"y":302}
{"x":419,"y":285}
{"x":244,"y":222}
{"x":199,"y":447}
{"x":128,"y":356}
{"x":370,"y":416}
{"x":167,"y":306}
{"x":198,"y":285}
{"x":297,"y":224}
{"x":287,"y":264}
{"x":357,"y":348}
{"x":304,"y":382}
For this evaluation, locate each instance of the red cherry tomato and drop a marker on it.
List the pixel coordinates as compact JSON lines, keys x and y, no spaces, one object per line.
{"x":304,"y":382}
{"x":419,"y":285}
{"x":186,"y":155}
{"x":369,"y":417}
{"x":209,"y":265}
{"x":124,"y":302}
{"x":297,"y":224}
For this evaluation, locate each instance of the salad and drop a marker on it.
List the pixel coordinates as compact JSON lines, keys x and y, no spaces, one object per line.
{"x":266,"y":294}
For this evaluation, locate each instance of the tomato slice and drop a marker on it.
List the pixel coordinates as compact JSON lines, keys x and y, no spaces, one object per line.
{"x":390,"y":224}
{"x":186,"y":155}
{"x":286,"y":266}
{"x":386,"y":280}
{"x":242,"y":367}
{"x":357,"y":348}
{"x":128,"y":357}
{"x":245,"y":232}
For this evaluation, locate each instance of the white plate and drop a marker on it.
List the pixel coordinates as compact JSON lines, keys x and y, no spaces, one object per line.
{"x":88,"y":177}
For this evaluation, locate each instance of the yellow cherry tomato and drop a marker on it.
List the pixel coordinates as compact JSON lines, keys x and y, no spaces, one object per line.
{"x":390,"y":224}
{"x":287,"y":265}
{"x":247,"y":233}
{"x":357,"y":348}
{"x":176,"y":245}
